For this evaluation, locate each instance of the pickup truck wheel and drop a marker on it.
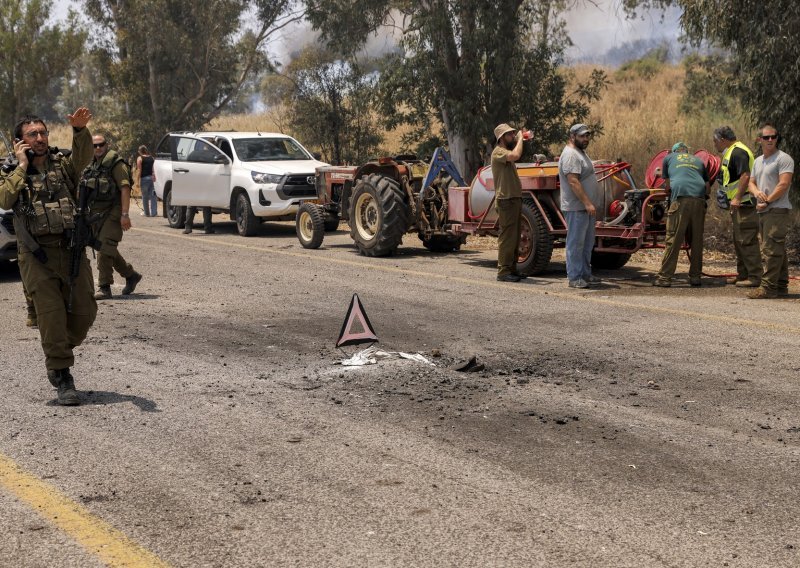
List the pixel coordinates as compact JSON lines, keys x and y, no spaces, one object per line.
{"x":246,"y":222}
{"x":176,"y":215}
{"x":310,"y":225}
{"x":609,"y":260}
{"x":535,"y":241}
{"x":378,"y":215}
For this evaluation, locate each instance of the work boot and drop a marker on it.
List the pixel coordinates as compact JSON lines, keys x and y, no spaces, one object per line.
{"x":63,"y":381}
{"x":662,"y":283}
{"x":695,"y":282}
{"x":508,"y":278}
{"x":187,"y":229}
{"x":731,"y":280}
{"x":593,"y":281}
{"x":209,"y":230}
{"x":103,"y":293}
{"x":783,"y":291}
{"x":130,"y":283}
{"x":762,"y":294}
{"x":748,"y":283}
{"x":579,"y":283}
{"x":32,"y":320}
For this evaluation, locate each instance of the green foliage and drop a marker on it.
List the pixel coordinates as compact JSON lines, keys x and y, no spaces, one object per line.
{"x":34,"y":58}
{"x":330,"y":105}
{"x":762,"y":71}
{"x":708,"y":87}
{"x":467,"y":65}
{"x":172,"y":65}
{"x":645,"y":67}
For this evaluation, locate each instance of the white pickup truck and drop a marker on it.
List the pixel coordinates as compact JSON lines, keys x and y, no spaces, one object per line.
{"x":254,"y":176}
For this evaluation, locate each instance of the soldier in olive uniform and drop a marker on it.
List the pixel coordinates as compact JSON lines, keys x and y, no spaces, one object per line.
{"x":42,"y":191}
{"x":108,"y":179}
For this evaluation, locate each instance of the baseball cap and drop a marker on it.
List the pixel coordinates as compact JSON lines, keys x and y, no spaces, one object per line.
{"x":502,"y":129}
{"x":580,"y":129}
{"x":679,"y":145}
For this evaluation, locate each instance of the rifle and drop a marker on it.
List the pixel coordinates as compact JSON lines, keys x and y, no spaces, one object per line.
{"x":80,"y":238}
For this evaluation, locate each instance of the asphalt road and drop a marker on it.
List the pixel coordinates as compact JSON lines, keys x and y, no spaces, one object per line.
{"x":624,"y":426}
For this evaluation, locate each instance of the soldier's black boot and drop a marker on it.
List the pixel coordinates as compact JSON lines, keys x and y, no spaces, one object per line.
{"x":187,"y":229}
{"x":63,"y":381}
{"x":103,"y":293}
{"x":130,"y":283}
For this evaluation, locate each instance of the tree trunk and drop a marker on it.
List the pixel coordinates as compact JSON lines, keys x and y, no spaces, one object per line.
{"x":462,"y":152}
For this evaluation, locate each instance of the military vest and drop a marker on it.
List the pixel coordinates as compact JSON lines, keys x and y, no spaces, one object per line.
{"x":97,"y":176}
{"x":48,"y":207}
{"x":732,"y":188}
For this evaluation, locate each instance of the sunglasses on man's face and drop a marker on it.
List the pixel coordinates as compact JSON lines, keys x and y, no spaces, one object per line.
{"x":769,"y":137}
{"x":99,"y":145}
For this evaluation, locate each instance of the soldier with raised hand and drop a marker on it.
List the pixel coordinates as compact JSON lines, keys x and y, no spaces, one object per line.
{"x":42,"y":191}
{"x":108,"y":179}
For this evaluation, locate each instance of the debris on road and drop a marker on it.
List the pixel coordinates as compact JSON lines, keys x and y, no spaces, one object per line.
{"x":371,"y":355}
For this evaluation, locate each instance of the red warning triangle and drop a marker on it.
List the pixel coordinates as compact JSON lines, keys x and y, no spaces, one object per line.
{"x":356,"y":318}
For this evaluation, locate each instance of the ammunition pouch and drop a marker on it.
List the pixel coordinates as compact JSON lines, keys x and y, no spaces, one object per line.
{"x":52,"y":218}
{"x":102,"y":189}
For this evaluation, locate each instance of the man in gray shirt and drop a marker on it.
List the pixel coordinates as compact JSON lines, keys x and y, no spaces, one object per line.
{"x":770,"y":183}
{"x":579,"y":193}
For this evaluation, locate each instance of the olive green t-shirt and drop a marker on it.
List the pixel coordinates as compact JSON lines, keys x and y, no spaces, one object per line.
{"x":506,"y":178}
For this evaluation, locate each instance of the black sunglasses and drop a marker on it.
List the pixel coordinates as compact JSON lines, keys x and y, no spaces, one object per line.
{"x":99,"y":145}
{"x":769,"y":137}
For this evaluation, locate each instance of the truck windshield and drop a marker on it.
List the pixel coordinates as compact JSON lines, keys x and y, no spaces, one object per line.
{"x":268,"y":150}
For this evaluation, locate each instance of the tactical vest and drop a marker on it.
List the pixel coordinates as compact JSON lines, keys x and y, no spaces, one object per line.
{"x":48,"y":208}
{"x":103,"y":190}
{"x":732,"y":188}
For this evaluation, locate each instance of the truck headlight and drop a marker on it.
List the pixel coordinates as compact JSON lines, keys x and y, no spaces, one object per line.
{"x":260,"y":177}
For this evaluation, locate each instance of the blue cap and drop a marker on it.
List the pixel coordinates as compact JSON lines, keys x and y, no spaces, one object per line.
{"x":678,"y":145}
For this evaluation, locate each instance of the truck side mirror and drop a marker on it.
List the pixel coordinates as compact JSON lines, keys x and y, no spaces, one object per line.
{"x":221,"y":159}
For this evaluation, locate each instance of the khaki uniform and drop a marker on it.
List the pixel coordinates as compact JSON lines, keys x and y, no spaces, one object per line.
{"x":106,"y":178}
{"x":508,"y":203}
{"x":745,"y":241}
{"x":684,"y":213}
{"x":775,"y":225}
{"x":54,"y":189}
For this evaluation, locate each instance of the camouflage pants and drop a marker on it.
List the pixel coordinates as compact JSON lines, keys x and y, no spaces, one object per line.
{"x":745,"y":241}
{"x":686,"y":218}
{"x":109,"y":258}
{"x":508,"y":213}
{"x":774,"y":226}
{"x":48,"y":286}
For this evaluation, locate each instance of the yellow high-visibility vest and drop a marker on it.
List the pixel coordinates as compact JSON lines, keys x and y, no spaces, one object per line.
{"x":732,"y":188}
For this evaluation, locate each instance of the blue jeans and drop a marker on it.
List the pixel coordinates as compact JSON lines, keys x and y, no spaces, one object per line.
{"x":580,"y":242}
{"x":149,"y":199}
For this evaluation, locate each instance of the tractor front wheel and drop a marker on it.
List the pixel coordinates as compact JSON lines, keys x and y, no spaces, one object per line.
{"x":310,"y":225}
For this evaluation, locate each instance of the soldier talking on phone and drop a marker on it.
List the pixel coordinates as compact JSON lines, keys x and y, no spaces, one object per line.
{"x":42,"y":189}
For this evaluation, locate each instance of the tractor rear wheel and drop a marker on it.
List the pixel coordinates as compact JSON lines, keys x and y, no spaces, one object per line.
{"x":378,"y":215}
{"x":609,"y":260}
{"x":535,"y":241}
{"x":310,"y":225}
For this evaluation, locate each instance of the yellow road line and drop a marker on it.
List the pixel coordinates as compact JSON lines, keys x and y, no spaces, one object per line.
{"x":95,"y":535}
{"x":491,"y":284}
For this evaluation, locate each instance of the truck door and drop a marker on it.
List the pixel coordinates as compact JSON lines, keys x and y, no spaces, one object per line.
{"x":201,"y":173}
